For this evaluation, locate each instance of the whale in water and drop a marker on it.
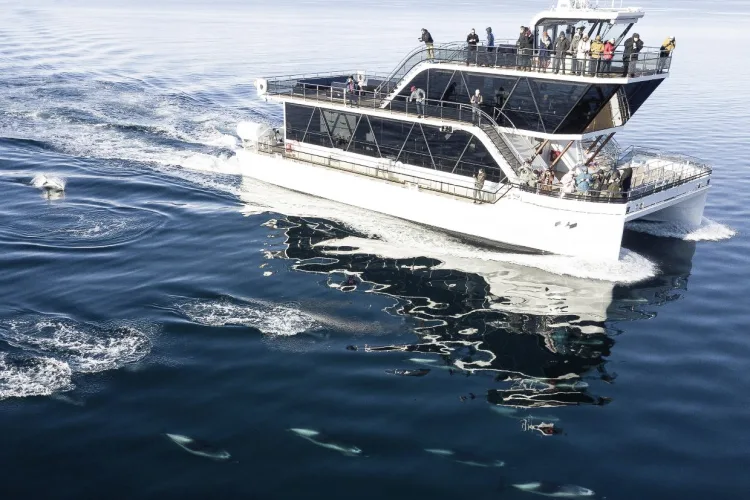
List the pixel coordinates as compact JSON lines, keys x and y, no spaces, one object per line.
{"x":199,"y":447}
{"x":48,"y":183}
{"x":555,"y":490}
{"x":325,"y":441}
{"x":465,"y":458}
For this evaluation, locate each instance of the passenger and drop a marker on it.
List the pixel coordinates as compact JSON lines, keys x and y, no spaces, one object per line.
{"x":665,"y":51}
{"x":545,"y":48}
{"x":450,"y":92}
{"x":626,"y":179}
{"x":427,"y":39}
{"x":526,"y":175}
{"x":633,"y":45}
{"x":607,"y":54}
{"x":597,"y":47}
{"x":490,"y":60}
{"x":573,"y":49}
{"x":419,"y":96}
{"x":613,"y":186}
{"x":351,"y":89}
{"x":478,"y":185}
{"x":476,"y":112}
{"x":524,"y":47}
{"x":568,"y":183}
{"x":548,"y":179}
{"x":582,"y":55}
{"x":583,"y":181}
{"x":598,"y":181}
{"x":562,"y":44}
{"x":472,"y":39}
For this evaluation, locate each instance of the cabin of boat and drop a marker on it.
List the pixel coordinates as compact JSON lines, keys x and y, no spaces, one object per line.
{"x":537,"y":112}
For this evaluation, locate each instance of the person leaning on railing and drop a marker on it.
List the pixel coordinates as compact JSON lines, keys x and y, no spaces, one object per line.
{"x":562,"y":44}
{"x":597,"y":47}
{"x":632,"y":46}
{"x":665,"y":51}
{"x":608,"y":53}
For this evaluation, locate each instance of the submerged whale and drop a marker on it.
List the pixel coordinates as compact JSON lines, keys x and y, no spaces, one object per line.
{"x":555,"y":490}
{"x":465,"y":458}
{"x":325,"y":441}
{"x":198,"y":447}
{"x":421,"y":372}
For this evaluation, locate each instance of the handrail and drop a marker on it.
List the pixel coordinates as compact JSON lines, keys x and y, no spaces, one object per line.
{"x":649,"y":61}
{"x":386,"y":170}
{"x":432,"y":108}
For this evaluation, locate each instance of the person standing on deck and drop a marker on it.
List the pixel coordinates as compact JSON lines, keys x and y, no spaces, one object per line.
{"x":573,"y":49}
{"x":584,"y":49}
{"x":597,"y":47}
{"x":490,"y":47}
{"x":472,"y":39}
{"x":419,"y":96}
{"x":665,"y":51}
{"x":427,"y":39}
{"x":478,"y":185}
{"x":545,"y":48}
{"x":562,"y":44}
{"x":633,"y":45}
{"x":524,"y":47}
{"x":476,"y":102}
{"x":351,"y":89}
{"x":607,"y":55}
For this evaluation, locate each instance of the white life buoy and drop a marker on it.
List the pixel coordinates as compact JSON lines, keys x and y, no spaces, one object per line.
{"x":261,"y":85}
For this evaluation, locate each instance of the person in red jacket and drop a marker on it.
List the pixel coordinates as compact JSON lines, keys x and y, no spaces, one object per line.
{"x":607,"y":54}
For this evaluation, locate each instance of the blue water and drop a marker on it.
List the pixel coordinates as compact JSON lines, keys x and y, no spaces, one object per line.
{"x":163,"y":293}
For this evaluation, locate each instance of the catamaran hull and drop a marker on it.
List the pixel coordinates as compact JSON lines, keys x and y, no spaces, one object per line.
{"x":521,"y":221}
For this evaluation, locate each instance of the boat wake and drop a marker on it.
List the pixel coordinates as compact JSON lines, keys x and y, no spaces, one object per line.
{"x":282,"y":320}
{"x":47,"y":351}
{"x":709,"y":230}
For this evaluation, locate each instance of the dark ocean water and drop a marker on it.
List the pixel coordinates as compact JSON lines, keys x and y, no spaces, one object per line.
{"x":163,"y":293}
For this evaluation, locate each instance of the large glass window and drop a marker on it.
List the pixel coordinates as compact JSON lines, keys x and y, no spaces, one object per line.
{"x":595,"y":98}
{"x":555,"y":100}
{"x":637,"y":93}
{"x":454,"y":151}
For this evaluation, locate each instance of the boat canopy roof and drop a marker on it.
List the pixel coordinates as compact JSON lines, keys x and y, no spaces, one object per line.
{"x":572,"y":11}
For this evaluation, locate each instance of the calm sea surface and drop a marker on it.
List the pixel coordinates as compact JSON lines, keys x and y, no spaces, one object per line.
{"x":163,"y":293}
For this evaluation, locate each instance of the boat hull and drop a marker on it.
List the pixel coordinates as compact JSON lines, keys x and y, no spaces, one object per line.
{"x":520,"y":221}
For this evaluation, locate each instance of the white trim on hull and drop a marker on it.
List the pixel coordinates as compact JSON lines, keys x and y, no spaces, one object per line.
{"x":510,"y":221}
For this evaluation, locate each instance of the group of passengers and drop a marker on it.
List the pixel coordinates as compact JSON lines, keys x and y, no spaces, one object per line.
{"x":583,"y":180}
{"x":575,"y":53}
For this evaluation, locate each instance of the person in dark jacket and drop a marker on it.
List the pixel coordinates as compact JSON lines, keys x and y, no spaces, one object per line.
{"x":562,"y":44}
{"x":525,"y":46}
{"x":427,"y":39}
{"x":472,"y":39}
{"x":490,"y":49}
{"x":631,"y":47}
{"x":626,"y":179}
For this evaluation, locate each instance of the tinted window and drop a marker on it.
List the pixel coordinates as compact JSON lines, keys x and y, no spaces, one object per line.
{"x":595,"y":98}
{"x":555,"y":100}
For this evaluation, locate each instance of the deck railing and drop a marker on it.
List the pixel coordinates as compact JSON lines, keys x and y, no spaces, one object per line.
{"x":649,"y":61}
{"x":444,"y":111}
{"x":675,"y":172}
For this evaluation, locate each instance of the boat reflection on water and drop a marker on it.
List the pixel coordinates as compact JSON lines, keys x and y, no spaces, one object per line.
{"x":543,"y":337}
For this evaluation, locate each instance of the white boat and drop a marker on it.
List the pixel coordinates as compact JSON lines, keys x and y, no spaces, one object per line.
{"x":376,"y":148}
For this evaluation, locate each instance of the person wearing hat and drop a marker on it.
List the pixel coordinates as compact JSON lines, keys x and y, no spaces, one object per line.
{"x":608,"y":53}
{"x":524,"y":47}
{"x":490,"y":47}
{"x":633,"y":45}
{"x":597,"y":47}
{"x":665,"y":51}
{"x":419,"y":96}
{"x":427,"y":39}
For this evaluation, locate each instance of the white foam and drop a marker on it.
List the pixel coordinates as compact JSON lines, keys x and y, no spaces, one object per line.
{"x":399,"y":239}
{"x":39,"y":376}
{"x":271,"y":319}
{"x":83,"y":347}
{"x":709,"y":230}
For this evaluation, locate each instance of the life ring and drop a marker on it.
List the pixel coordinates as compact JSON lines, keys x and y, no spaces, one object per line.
{"x":261,"y":85}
